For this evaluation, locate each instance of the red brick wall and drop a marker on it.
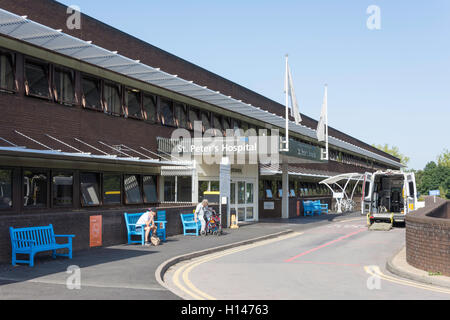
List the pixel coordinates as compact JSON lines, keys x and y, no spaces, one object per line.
{"x":428,"y":237}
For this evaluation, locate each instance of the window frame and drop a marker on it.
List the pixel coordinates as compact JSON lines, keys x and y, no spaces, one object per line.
{"x":48,"y":200}
{"x":126,"y":90}
{"x":121,"y":187}
{"x":172,"y":104}
{"x":13,"y":57}
{"x":196,"y":111}
{"x":52,"y":200}
{"x":155,"y":98}
{"x":184,"y":108}
{"x":100,"y":189}
{"x":106,"y":108}
{"x":99,"y":81}
{"x":12,"y":170}
{"x":140,"y":181}
{"x":55,"y":94}
{"x":46,"y":65}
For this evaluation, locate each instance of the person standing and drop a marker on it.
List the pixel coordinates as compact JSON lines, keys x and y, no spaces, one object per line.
{"x":199,"y":214}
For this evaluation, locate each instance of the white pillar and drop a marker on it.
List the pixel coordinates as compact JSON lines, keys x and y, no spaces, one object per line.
{"x":285,"y":198}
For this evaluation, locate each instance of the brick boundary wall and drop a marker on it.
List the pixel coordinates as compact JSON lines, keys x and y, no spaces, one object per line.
{"x":428,"y":237}
{"x":78,"y":223}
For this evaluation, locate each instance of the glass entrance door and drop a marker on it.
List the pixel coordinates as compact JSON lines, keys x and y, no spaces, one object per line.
{"x":242,"y":200}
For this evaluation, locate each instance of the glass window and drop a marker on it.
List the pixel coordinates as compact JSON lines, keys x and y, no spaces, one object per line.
{"x":149,"y":107}
{"x":35,"y":189}
{"x":206,"y":121}
{"x":133,"y":102}
{"x":241,"y":192}
{"x":111,"y":189}
{"x":249,"y":193}
{"x":36,"y":79}
{"x":215,"y":186}
{"x":233,"y":193}
{"x":167,"y":112}
{"x":90,"y":190}
{"x":5,"y":189}
{"x":150,"y":193}
{"x":184,"y":189}
{"x":193,"y":116}
{"x":91,"y":93}
{"x":132,"y":188}
{"x":226,"y":124}
{"x":202,"y":187}
{"x":64,"y":87}
{"x":180,"y":114}
{"x":6,"y":72}
{"x":113,"y":101}
{"x":62,"y":189}
{"x":169,"y":189}
{"x":217,"y":123}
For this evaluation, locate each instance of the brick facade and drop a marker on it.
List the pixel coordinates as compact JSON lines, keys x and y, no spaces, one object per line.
{"x":77,"y":223}
{"x":428,"y":237}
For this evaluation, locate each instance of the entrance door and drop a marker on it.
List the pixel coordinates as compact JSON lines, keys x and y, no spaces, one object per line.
{"x":242,"y":200}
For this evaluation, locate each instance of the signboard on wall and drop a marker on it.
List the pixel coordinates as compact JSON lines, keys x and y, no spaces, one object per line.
{"x":269,"y":205}
{"x":95,"y":231}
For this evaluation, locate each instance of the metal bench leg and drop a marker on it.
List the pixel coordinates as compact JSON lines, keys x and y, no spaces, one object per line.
{"x":31,"y":263}
{"x":14,"y":259}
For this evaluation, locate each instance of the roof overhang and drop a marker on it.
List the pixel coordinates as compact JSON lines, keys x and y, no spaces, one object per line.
{"x":31,"y":32}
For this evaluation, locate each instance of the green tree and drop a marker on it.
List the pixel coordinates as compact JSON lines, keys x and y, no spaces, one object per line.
{"x":393,"y":151}
{"x":444,"y":158}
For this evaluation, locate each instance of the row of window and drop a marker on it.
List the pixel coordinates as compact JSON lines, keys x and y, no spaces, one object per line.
{"x":52,"y":82}
{"x":44,"y":188}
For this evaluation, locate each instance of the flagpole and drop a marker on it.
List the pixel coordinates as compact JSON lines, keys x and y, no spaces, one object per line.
{"x":287,"y":104}
{"x":326,"y":126}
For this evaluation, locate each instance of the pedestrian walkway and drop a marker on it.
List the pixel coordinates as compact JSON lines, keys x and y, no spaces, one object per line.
{"x":128,"y":271}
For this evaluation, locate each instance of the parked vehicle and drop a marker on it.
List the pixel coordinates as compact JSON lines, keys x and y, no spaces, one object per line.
{"x":389,"y":195}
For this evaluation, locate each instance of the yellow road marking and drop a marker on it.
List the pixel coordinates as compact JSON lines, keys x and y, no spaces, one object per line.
{"x":377,"y":272}
{"x":185,"y":270}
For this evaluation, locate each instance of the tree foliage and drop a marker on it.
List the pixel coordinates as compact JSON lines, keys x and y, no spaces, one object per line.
{"x":393,"y":151}
{"x":435,"y":176}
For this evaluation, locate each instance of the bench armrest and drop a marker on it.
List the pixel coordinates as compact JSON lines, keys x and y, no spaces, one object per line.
{"x":65,"y":236}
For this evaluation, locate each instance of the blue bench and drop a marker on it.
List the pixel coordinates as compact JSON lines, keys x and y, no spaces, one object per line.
{"x":132,"y":218}
{"x":189,"y":224}
{"x":314,"y":207}
{"x":37,"y":239}
{"x":321,"y":207}
{"x":309,"y":208}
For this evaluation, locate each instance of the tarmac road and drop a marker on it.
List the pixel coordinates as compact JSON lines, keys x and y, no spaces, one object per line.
{"x":341,"y":260}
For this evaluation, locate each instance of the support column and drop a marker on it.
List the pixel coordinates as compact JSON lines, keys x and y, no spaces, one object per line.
{"x":285,"y":197}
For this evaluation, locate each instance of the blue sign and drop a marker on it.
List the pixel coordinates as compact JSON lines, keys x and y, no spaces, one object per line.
{"x":435,"y":193}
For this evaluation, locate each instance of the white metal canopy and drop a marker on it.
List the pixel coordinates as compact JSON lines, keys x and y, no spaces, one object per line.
{"x":340,"y":192}
{"x":22,"y":29}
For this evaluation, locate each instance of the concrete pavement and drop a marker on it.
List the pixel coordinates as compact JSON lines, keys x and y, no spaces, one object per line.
{"x":127,"y":271}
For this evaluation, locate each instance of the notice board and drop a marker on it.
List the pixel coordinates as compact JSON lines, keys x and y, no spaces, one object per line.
{"x":95,"y":231}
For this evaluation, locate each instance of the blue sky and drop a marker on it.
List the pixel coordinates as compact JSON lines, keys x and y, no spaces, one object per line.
{"x":385,"y":86}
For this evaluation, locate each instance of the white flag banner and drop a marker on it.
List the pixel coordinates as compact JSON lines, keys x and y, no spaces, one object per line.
{"x":289,"y":88}
{"x":323,"y":121}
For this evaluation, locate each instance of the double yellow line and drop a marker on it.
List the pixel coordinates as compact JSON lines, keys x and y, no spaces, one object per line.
{"x":185,"y":284}
{"x":375,"y":271}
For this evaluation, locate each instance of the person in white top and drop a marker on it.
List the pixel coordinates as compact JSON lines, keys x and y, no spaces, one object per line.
{"x":147,"y":220}
{"x":199,"y":214}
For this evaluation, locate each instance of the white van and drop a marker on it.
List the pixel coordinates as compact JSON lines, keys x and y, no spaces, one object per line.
{"x":389,"y":194}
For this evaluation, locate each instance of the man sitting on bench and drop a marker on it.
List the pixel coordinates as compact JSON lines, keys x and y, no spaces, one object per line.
{"x":148,"y":220}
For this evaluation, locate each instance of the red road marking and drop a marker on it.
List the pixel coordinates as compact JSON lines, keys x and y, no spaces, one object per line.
{"x":330,"y":263}
{"x":325,"y":245}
